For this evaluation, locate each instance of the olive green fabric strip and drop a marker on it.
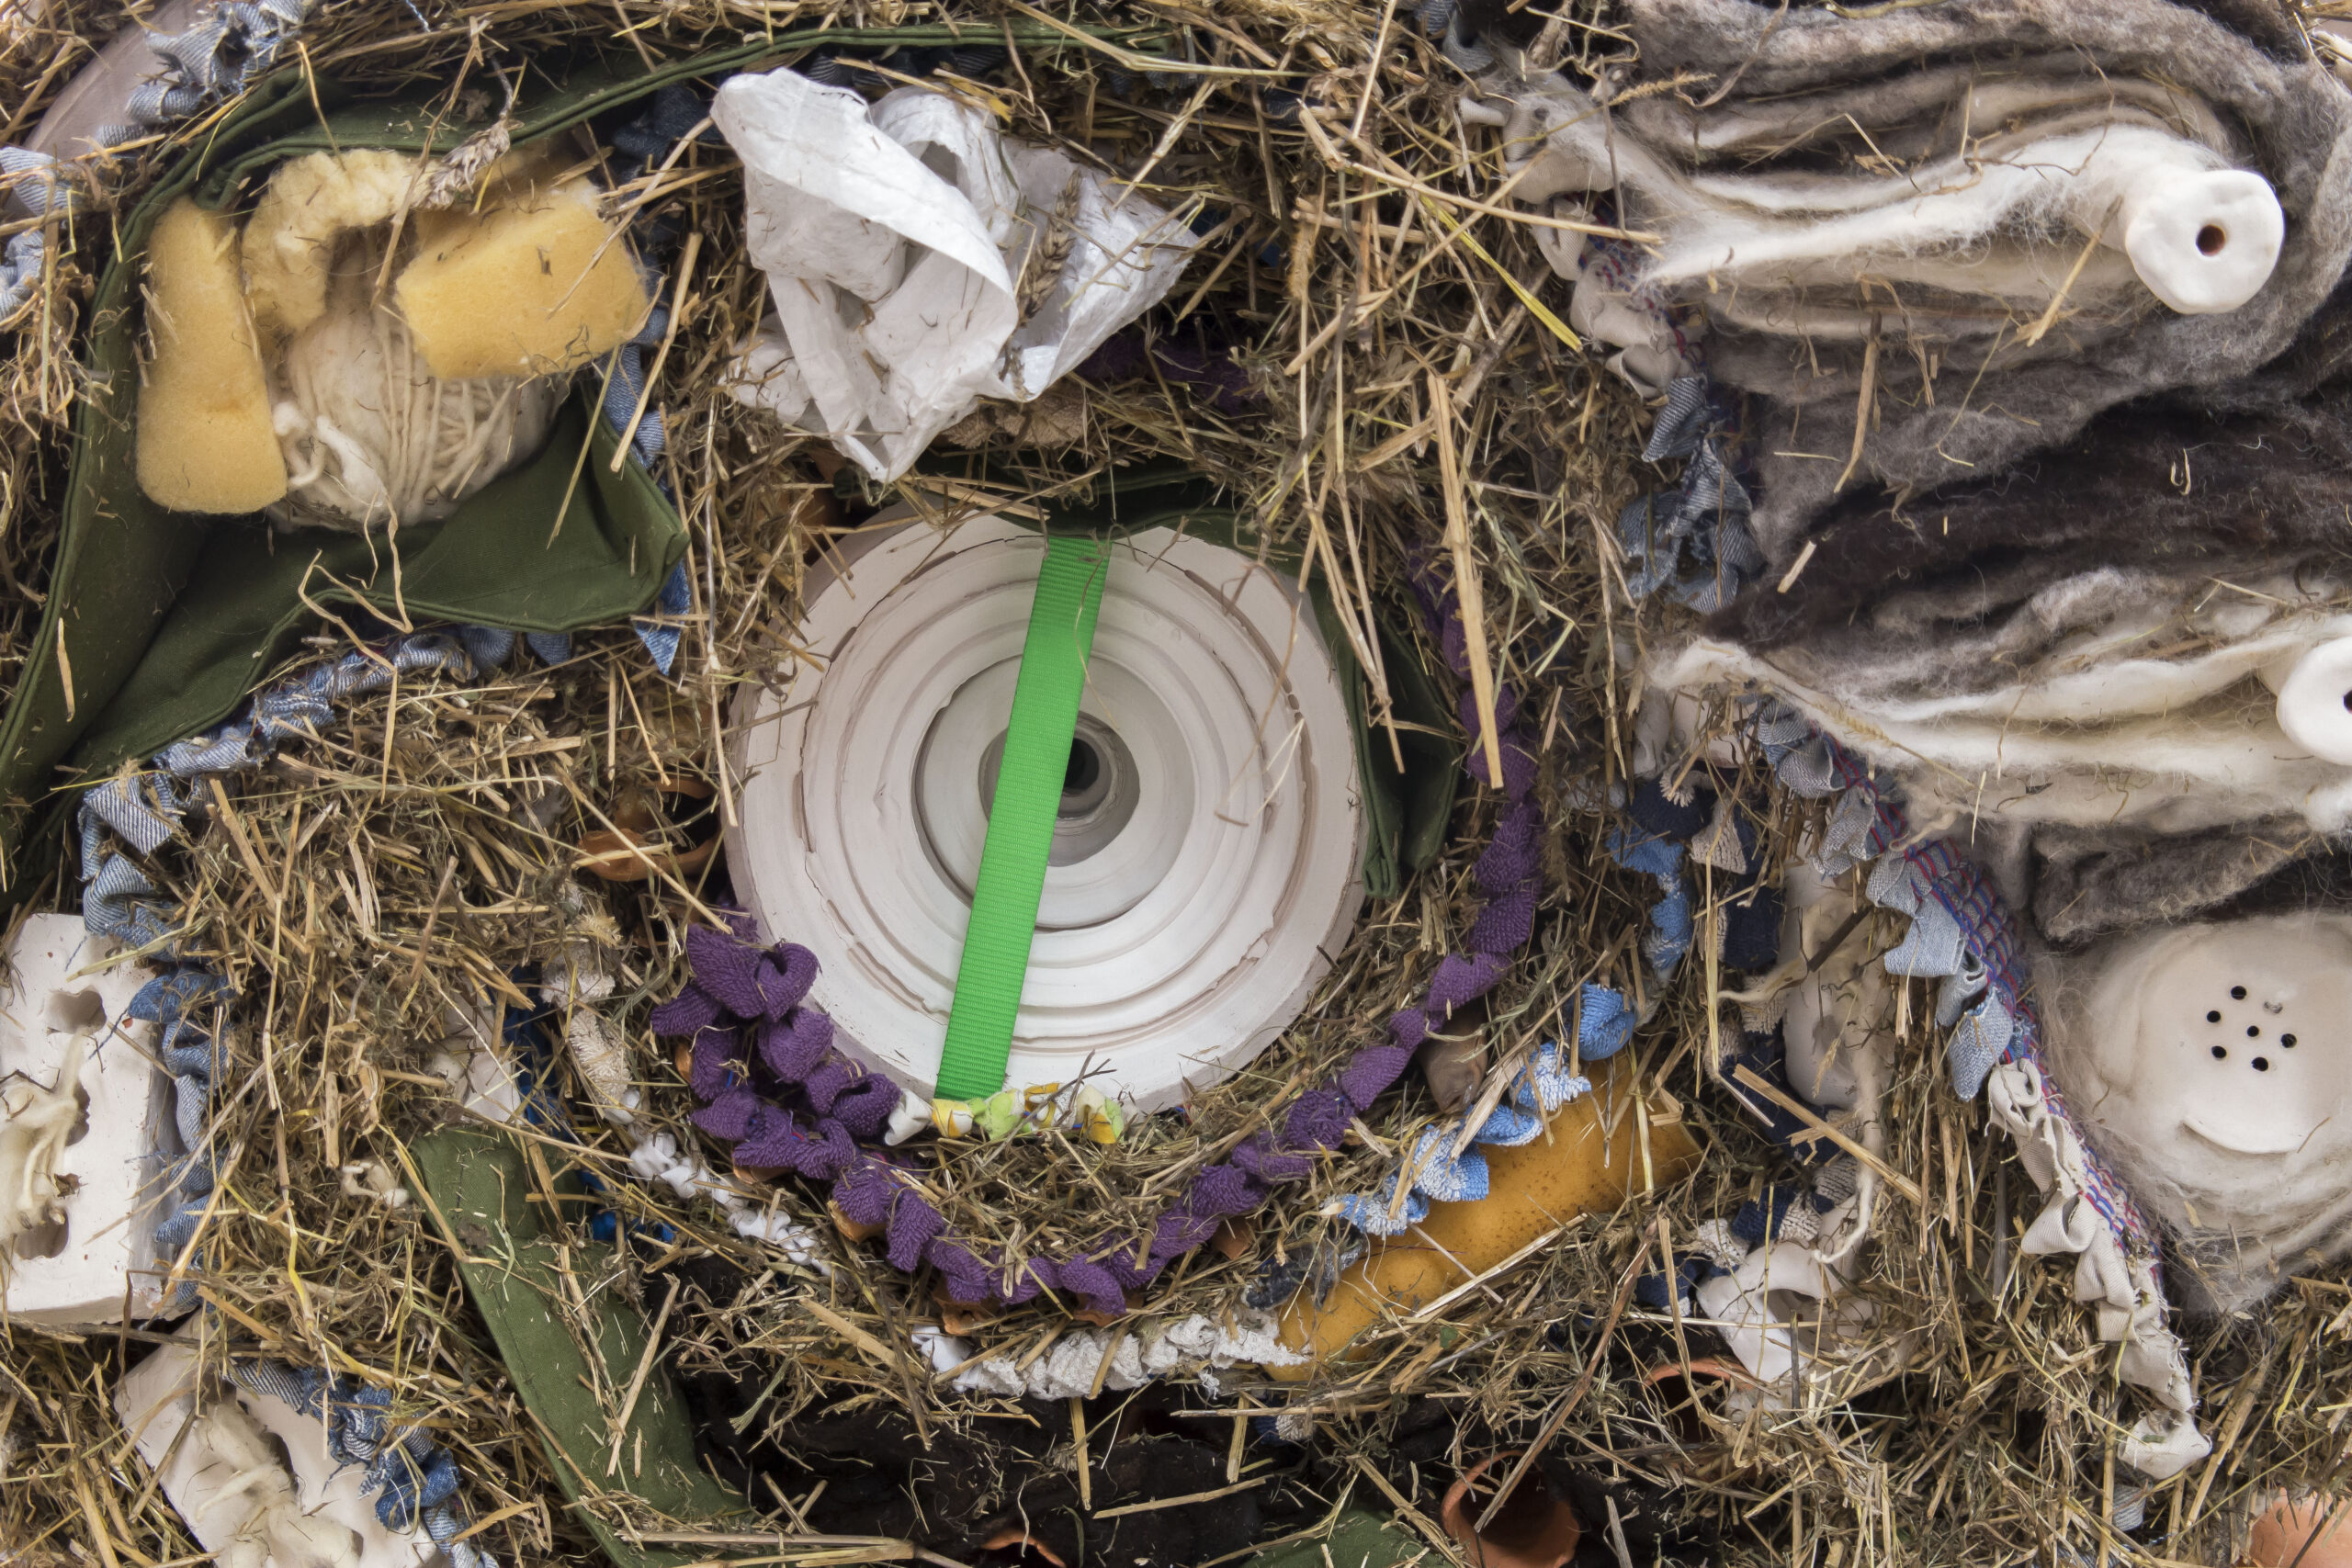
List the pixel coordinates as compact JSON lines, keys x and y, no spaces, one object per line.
{"x":254,"y":593}
{"x":159,"y":622}
{"x":1020,"y":820}
{"x":479,"y":1190}
{"x":133,"y":590}
{"x":590,"y":84}
{"x":1356,"y":1538}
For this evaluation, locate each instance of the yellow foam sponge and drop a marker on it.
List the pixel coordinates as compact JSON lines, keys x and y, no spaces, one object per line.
{"x":310,"y":203}
{"x":203,"y":441}
{"x":523,"y":291}
{"x":515,"y":180}
{"x":1592,"y":1154}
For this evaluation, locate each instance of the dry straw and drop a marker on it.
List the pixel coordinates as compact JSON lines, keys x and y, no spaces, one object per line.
{"x":412,"y":858}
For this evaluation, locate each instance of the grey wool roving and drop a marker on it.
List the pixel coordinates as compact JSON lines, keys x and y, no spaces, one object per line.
{"x":1992,"y":589}
{"x":2090,"y":883}
{"x":1987,"y":587}
{"x":2183,"y":495}
{"x":1972,"y":348}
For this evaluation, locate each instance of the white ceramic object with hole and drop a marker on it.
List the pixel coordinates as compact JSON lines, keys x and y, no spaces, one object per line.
{"x":1208,"y":859}
{"x":2315,"y":701}
{"x":2203,"y":242}
{"x":158,"y":1399}
{"x":2213,"y":1065}
{"x":101,"y":1257}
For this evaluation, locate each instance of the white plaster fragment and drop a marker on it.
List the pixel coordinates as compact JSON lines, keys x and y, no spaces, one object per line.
{"x":253,"y":1477}
{"x":85,"y":1133}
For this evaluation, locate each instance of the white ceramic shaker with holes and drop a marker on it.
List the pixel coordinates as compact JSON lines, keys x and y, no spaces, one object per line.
{"x":2213,"y":1062}
{"x":85,"y":1132}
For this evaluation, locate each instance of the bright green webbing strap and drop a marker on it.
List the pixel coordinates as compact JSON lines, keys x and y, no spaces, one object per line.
{"x":1020,"y":823}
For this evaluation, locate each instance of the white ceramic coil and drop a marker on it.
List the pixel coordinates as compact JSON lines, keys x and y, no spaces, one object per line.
{"x":1206,"y":863}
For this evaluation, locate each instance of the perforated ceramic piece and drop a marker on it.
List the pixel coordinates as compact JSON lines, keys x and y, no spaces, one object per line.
{"x":1207,"y":859}
{"x":2213,"y":1064}
{"x":159,"y":1397}
{"x":100,"y":1257}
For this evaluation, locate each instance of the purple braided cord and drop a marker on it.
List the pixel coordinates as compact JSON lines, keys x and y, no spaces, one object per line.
{"x":774,"y":1086}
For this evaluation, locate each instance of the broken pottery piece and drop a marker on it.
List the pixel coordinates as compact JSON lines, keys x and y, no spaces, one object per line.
{"x":84,"y":1133}
{"x":1531,"y":1529}
{"x":2306,"y":1532}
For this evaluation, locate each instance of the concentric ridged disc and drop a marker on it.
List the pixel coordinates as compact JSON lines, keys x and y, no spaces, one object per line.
{"x":1207,"y":857}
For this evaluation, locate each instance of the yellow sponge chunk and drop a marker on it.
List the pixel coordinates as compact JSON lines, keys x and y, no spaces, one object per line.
{"x":523,"y":291}
{"x":203,"y":441}
{"x":311,"y":203}
{"x":515,"y":179}
{"x":1594,"y":1152}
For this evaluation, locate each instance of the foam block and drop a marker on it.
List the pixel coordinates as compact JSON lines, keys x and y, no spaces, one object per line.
{"x":83,"y":1269}
{"x":1588,"y":1159}
{"x":310,"y":203}
{"x":514,"y":180}
{"x":204,"y":441}
{"x":525,"y":291}
{"x":308,"y":1510}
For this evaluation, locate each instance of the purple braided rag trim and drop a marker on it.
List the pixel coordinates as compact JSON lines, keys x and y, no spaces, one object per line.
{"x":774,"y":1086}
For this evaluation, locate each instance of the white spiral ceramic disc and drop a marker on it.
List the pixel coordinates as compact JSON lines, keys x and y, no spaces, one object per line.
{"x":1207,"y":858}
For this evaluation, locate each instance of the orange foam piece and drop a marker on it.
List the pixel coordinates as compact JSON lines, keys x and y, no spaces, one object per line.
{"x":1531,"y":1189}
{"x":203,"y":441}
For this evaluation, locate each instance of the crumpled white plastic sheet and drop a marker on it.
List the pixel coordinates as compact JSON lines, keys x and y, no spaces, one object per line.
{"x":901,"y":243}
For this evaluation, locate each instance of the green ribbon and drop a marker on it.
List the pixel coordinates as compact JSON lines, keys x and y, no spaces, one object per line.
{"x":1020,"y":820}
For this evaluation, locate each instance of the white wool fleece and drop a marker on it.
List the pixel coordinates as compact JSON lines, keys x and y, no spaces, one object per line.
{"x":2102,"y":731}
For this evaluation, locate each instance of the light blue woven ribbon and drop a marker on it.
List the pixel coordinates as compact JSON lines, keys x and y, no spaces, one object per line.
{"x":414,"y":1479}
{"x":1438,"y":1175}
{"x":229,"y":47}
{"x":1960,"y":932}
{"x":1649,"y":854}
{"x":30,"y":185}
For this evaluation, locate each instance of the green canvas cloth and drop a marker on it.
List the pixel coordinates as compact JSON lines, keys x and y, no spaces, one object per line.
{"x":167,"y":620}
{"x":479,"y":1191}
{"x":573,"y":1376}
{"x":1358,"y":1539}
{"x":242,"y":608}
